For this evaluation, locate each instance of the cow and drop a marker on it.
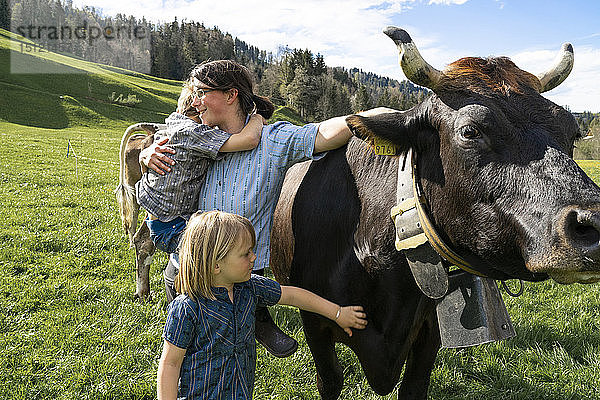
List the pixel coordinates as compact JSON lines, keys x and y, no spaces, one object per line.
{"x":130,"y":172}
{"x":493,"y":161}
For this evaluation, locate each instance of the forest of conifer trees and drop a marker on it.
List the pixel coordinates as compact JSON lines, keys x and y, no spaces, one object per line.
{"x":296,"y":78}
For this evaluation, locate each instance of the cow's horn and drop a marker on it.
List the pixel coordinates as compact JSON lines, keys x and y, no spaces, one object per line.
{"x":416,"y":69}
{"x":559,"y":72}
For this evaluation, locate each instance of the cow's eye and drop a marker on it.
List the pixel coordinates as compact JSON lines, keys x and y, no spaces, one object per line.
{"x":471,"y":137}
{"x":470,"y":133}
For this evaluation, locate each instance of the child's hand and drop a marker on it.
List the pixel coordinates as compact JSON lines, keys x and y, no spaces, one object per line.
{"x":351,"y":317}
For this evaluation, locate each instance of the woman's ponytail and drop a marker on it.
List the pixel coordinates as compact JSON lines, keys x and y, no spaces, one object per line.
{"x":263,"y":105}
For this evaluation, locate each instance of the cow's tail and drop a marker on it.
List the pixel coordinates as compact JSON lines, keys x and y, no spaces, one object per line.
{"x":125,"y":193}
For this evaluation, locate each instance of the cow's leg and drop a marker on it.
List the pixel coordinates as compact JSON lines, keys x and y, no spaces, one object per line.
{"x":133,"y":223}
{"x":421,"y":358}
{"x":381,"y":361}
{"x":330,"y":377}
{"x":144,"y":250}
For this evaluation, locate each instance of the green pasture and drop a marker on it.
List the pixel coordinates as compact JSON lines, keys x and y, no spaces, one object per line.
{"x":70,"y":327}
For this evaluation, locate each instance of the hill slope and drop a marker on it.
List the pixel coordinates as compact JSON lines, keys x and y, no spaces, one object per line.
{"x":80,"y":94}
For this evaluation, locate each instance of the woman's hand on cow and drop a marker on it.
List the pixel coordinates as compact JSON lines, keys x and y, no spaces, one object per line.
{"x":351,"y":317}
{"x":154,"y":157}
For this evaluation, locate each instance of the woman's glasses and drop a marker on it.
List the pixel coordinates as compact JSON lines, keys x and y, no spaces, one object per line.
{"x":201,"y":92}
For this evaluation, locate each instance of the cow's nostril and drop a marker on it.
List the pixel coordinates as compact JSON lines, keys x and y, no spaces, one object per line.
{"x":586,"y":234}
{"x":583,"y":228}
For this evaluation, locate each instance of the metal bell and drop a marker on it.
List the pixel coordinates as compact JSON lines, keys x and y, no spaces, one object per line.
{"x":472,"y":312}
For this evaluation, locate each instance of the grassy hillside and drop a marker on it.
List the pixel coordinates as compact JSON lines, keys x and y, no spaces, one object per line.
{"x":70,"y":328}
{"x":283,"y":113}
{"x":79,"y":97}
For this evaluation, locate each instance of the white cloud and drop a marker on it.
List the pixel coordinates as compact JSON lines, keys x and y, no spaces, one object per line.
{"x":350,"y":34}
{"x":581,"y":90}
{"x":447,"y":2}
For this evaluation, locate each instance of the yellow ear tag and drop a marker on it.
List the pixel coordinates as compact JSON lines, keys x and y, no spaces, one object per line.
{"x":384,"y":147}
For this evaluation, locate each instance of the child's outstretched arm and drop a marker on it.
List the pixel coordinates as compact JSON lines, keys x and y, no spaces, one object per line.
{"x":248,"y":138}
{"x":168,"y":371}
{"x":346,"y":317}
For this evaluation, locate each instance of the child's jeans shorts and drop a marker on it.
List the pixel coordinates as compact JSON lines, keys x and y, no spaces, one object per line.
{"x":166,"y":235}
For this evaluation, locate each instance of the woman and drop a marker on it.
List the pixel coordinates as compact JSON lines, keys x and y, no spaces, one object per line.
{"x":247,"y":183}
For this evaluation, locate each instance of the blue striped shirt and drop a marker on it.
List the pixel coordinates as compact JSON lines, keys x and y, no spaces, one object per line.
{"x":218,"y":336}
{"x":248,"y":183}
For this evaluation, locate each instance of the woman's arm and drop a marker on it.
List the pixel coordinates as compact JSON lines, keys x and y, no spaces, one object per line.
{"x":345,"y":317}
{"x":154,"y":157}
{"x":168,"y":371}
{"x":334,"y":132}
{"x":248,"y":138}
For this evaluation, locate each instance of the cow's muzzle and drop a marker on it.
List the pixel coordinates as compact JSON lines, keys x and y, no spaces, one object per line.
{"x":574,"y":254}
{"x":582,"y":230}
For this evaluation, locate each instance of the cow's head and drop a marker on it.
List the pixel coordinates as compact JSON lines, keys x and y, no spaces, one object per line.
{"x":494,"y":158}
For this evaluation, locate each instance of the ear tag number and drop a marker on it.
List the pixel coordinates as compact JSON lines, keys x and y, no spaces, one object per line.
{"x":384,"y":147}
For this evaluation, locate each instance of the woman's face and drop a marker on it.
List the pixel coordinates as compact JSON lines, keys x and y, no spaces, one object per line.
{"x":211,"y":106}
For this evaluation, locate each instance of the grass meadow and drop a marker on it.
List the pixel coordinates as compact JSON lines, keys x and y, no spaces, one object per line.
{"x":71,"y":329}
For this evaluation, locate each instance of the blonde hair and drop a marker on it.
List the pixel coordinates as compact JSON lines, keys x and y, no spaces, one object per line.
{"x":207,"y":239}
{"x":186,"y":98}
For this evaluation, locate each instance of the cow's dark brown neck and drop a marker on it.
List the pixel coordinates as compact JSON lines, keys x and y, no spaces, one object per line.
{"x":473,"y":265}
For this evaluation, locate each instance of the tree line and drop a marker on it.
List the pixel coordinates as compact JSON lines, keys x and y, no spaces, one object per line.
{"x":296,"y":78}
{"x":589,"y":147}
{"x":60,"y":27}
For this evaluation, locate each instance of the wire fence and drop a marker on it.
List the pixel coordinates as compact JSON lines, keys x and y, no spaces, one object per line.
{"x":71,"y":153}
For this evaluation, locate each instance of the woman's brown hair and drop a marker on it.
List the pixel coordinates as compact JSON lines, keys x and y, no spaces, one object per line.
{"x":228,"y":74}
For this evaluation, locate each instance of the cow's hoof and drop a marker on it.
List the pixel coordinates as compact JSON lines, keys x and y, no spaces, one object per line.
{"x":330,"y":390}
{"x":142,"y":296}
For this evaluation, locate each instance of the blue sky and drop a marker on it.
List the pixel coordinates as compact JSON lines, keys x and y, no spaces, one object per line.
{"x":348,"y":33}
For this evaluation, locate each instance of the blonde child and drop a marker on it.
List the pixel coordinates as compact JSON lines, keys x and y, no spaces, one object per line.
{"x":170,"y":199}
{"x":209,"y":350}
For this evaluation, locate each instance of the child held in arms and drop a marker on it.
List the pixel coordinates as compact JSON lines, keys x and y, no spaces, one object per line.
{"x":170,"y":199}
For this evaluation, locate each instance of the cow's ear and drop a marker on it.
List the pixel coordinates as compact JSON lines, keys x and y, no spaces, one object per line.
{"x":403,"y":128}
